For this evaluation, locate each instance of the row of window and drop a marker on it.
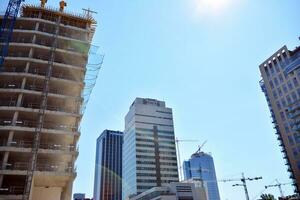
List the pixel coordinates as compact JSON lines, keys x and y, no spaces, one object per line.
{"x":295,"y":139}
{"x":269,"y":69}
{"x":162,"y":175}
{"x":288,"y":100}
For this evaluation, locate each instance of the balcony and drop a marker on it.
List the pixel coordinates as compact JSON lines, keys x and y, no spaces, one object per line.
{"x":68,"y":47}
{"x":295,"y":114}
{"x":56,"y":73}
{"x":40,"y":167}
{"x":12,"y":190}
{"x":33,"y":124}
{"x":44,"y":146}
{"x":13,"y":104}
{"x":19,"y":51}
{"x":294,"y":64}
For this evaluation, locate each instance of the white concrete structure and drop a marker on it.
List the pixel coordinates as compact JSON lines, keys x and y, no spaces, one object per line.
{"x":149,"y":152}
{"x":175,"y":191}
{"x":22,"y":82}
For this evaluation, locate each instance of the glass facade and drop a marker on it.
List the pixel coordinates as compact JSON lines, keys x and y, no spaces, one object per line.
{"x":149,"y":153}
{"x":201,"y":166}
{"x":108,"y":168}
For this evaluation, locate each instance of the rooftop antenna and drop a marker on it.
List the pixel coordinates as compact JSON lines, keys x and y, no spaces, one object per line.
{"x":88,"y":12}
{"x":43,"y":3}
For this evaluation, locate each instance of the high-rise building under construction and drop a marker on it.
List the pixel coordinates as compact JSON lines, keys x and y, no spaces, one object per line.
{"x":41,"y":85}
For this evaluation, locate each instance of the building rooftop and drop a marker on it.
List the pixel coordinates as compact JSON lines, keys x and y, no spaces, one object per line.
{"x":148,"y":101}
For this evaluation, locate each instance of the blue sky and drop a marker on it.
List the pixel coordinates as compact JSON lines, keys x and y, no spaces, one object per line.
{"x":202,"y":59}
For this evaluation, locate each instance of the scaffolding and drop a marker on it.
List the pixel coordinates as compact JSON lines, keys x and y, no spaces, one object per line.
{"x":93,"y":67}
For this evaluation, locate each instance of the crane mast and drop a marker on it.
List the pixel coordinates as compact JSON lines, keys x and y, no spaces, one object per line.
{"x":7,"y":27}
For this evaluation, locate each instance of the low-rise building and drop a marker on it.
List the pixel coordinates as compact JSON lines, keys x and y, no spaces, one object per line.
{"x":192,"y":190}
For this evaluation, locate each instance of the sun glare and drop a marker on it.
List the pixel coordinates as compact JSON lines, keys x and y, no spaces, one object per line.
{"x":211,"y":7}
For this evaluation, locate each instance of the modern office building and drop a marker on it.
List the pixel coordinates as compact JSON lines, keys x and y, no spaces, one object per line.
{"x":79,"y":196}
{"x":41,"y":84}
{"x":281,"y":86}
{"x":149,"y":152}
{"x":201,"y":166}
{"x":108,"y":166}
{"x":175,"y":191}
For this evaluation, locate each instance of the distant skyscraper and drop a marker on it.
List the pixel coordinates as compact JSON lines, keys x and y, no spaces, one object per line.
{"x":201,"y":166}
{"x":149,"y":153}
{"x":108,"y":169}
{"x":281,"y":85}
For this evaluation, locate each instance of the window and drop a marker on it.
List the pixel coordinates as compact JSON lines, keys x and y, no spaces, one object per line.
{"x":276,"y":81}
{"x":296,"y":83}
{"x":295,"y":152}
{"x":291,"y":140}
{"x":278,"y":105}
{"x":287,"y":129}
{"x":283,"y":102}
{"x":297,"y":137}
{"x":280,"y":78}
{"x":267,"y":72}
{"x":271,"y":69}
{"x":279,"y":92}
{"x":298,"y":92}
{"x":294,"y":96}
{"x":290,"y":86}
{"x":289,"y":100}
{"x":275,"y":94}
{"x":271,"y":84}
{"x":282,"y":115}
{"x":284,"y":88}
{"x":277,"y":68}
{"x":298,"y":165}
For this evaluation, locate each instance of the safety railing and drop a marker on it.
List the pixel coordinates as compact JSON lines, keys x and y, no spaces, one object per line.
{"x":46,"y":146}
{"x":9,"y":85}
{"x":11,"y":190}
{"x":45,"y":57}
{"x":36,"y":71}
{"x":41,"y":166}
{"x":50,"y":108}
{"x":33,"y":124}
{"x":13,"y":103}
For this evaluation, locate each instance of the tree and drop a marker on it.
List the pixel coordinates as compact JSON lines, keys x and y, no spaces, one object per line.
{"x":267,"y":197}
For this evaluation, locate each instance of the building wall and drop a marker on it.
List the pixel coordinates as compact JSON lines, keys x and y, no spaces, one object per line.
{"x":108,"y":167}
{"x":47,"y":193}
{"x":149,"y":157}
{"x":281,"y":85}
{"x":175,"y":191}
{"x":201,"y":166}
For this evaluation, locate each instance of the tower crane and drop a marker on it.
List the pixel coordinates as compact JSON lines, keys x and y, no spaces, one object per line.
{"x":279,"y":187}
{"x":243,"y":180}
{"x":178,"y":155}
{"x":201,"y":146}
{"x":7,"y":27}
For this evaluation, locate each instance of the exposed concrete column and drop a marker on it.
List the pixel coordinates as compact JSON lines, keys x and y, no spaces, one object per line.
{"x":67,"y":191}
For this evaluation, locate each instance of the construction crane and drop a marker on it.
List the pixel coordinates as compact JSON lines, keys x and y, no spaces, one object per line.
{"x":178,"y":155}
{"x":243,"y":180}
{"x":7,"y":27}
{"x":279,"y":187}
{"x":201,"y":146}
